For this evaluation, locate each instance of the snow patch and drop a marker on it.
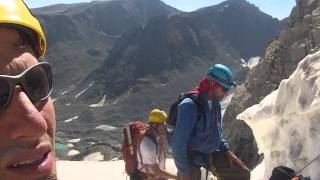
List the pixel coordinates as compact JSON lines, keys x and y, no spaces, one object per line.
{"x":258,"y":172}
{"x":286,"y":123}
{"x":92,"y":170}
{"x":74,"y":140}
{"x":73,"y":152}
{"x":250,"y":63}
{"x":114,"y":159}
{"x":101,"y":103}
{"x":83,"y":170}
{"x":106,"y":128}
{"x":97,"y":156}
{"x":225,"y":7}
{"x":71,"y":119}
{"x":116,"y":101}
{"x":243,"y":63}
{"x":64,"y":92}
{"x":225,"y":102}
{"x":70,"y":145}
{"x":77,"y":95}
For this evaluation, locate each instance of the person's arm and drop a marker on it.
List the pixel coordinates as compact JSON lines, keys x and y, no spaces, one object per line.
{"x":224,"y":146}
{"x":150,"y":159}
{"x":161,"y":172}
{"x":232,"y":158}
{"x":186,"y":119}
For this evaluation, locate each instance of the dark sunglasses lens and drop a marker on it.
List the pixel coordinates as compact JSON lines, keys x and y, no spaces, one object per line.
{"x":4,"y":93}
{"x":38,"y":82}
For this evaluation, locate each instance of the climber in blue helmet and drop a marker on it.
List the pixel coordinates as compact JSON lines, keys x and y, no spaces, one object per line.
{"x":222,"y":75}
{"x":198,"y":139}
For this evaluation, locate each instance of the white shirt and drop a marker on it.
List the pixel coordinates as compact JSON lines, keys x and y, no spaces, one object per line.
{"x":151,"y":155}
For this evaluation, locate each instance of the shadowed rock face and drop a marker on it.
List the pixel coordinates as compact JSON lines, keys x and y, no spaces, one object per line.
{"x":87,"y":20}
{"x":299,"y":38}
{"x":242,"y":25}
{"x":224,"y":33}
{"x":80,"y":35}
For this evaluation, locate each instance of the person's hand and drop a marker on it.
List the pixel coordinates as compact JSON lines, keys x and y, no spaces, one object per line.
{"x":233,"y":159}
{"x":296,"y":178}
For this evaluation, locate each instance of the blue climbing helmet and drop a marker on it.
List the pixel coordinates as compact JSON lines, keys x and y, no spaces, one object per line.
{"x":222,"y":75}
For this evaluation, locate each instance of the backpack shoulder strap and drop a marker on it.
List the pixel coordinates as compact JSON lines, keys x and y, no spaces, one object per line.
{"x":138,"y":143}
{"x":196,"y":99}
{"x":200,"y":108}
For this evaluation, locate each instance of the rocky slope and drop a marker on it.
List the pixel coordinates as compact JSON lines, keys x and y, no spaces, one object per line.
{"x":299,"y":38}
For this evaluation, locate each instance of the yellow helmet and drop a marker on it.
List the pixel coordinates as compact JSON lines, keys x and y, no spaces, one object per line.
{"x":16,"y":12}
{"x":157,"y":116}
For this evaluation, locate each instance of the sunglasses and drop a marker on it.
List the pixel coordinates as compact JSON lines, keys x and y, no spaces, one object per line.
{"x":226,"y":90}
{"x":36,"y":82}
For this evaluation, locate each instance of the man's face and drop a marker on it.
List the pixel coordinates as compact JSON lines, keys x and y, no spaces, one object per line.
{"x":217,"y":93}
{"x":27,"y":129}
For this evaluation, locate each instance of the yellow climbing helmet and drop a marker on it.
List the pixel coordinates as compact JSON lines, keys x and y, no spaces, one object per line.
{"x":157,"y":116}
{"x":16,"y":12}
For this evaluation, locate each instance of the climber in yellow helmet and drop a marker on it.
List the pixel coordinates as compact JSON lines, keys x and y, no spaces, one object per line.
{"x":157,"y":116}
{"x":15,"y":13}
{"x":27,"y":119}
{"x":152,"y":151}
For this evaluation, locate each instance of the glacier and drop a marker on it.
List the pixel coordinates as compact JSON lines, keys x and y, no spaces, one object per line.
{"x":286,"y":123}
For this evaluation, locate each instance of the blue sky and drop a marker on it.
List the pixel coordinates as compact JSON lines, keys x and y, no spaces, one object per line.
{"x":276,"y":8}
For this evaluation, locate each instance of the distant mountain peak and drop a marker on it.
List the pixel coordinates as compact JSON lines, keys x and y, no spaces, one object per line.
{"x":231,"y":4}
{"x":237,"y":1}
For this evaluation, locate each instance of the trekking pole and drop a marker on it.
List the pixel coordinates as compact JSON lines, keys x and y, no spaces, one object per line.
{"x":308,"y":164}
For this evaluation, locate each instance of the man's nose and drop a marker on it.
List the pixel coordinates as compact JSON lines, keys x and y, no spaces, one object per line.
{"x":24,"y":119}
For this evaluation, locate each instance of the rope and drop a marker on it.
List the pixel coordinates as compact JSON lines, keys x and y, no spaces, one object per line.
{"x":308,"y":164}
